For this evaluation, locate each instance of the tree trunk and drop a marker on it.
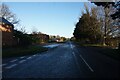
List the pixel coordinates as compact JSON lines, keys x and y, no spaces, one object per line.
{"x":104,"y":41}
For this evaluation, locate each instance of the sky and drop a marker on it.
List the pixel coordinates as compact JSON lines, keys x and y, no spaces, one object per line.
{"x":52,"y":18}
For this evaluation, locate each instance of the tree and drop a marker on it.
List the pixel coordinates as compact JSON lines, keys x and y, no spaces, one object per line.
{"x":117,"y":13}
{"x":34,"y":35}
{"x":7,"y":14}
{"x":95,"y":26}
{"x":106,"y":6}
{"x":80,"y":31}
{"x":116,"y":16}
{"x":23,"y":38}
{"x":88,"y":27}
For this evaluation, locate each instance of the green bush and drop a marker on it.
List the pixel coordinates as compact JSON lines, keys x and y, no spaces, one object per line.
{"x":19,"y":51}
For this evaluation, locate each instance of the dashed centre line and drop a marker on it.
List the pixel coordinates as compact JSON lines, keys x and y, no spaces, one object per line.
{"x":14,"y":60}
{"x":22,"y":61}
{"x":72,"y":46}
{"x":76,"y":60}
{"x":2,"y":65}
{"x":29,"y":57}
{"x":22,"y":57}
{"x":11,"y":66}
{"x":34,"y":55}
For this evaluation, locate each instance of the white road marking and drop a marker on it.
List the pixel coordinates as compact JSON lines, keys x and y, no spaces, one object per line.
{"x":2,"y":65}
{"x":29,"y":57}
{"x":76,"y":60}
{"x":11,"y":66}
{"x":34,"y":55}
{"x":14,"y":60}
{"x":71,"y":45}
{"x":86,"y":63}
{"x":22,"y":57}
{"x":22,"y":61}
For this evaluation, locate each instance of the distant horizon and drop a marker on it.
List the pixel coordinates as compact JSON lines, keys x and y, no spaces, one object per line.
{"x":51,"y":18}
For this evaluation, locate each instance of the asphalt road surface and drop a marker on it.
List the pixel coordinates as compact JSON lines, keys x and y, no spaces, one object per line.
{"x":64,"y":61}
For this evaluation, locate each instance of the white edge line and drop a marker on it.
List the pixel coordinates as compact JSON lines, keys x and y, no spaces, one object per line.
{"x":86,"y":63}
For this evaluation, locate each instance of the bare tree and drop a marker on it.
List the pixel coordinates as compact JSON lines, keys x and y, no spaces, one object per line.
{"x":7,"y":14}
{"x":23,"y":30}
{"x":106,"y":21}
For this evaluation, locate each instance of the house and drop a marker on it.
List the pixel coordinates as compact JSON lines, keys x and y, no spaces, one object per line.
{"x":56,"y":39}
{"x":7,"y":32}
{"x":40,"y":38}
{"x":43,"y":38}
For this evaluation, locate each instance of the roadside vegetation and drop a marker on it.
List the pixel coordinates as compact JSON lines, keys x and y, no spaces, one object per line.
{"x":98,"y":28}
{"x":105,"y":50}
{"x":22,"y":51}
{"x":22,"y":42}
{"x":113,"y":53}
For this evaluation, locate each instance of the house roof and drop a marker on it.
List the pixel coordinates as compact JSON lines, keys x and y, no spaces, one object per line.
{"x":3,"y":20}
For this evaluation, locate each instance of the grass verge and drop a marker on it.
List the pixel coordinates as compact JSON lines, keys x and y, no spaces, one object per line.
{"x":113,"y":53}
{"x":20,"y":51}
{"x":105,"y":50}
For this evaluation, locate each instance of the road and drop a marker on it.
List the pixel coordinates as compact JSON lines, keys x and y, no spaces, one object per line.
{"x":65,"y":61}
